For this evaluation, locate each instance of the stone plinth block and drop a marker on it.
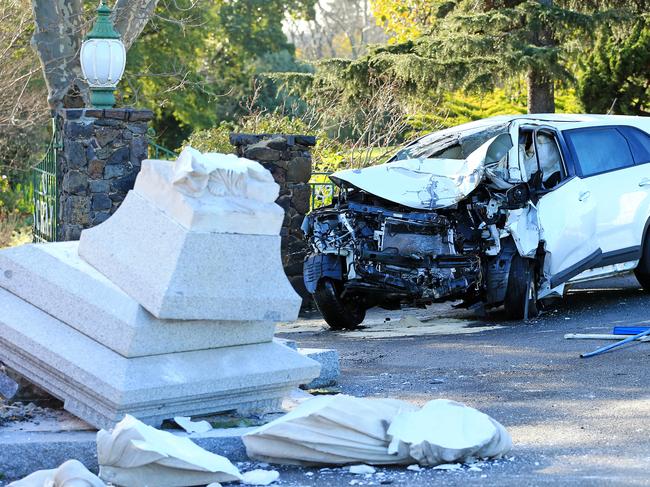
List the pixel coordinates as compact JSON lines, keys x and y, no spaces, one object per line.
{"x":179,"y":274}
{"x":55,"y":279}
{"x":100,"y":386}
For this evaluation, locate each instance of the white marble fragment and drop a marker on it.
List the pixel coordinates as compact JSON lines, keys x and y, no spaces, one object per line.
{"x":192,"y":426}
{"x":330,"y":430}
{"x":361,"y":469}
{"x":191,"y":172}
{"x":134,"y":454}
{"x":70,"y":474}
{"x":260,"y":477}
{"x":223,"y":175}
{"x":341,"y":430}
{"x":448,"y":466}
{"x":213,"y":192}
{"x":445,"y":432}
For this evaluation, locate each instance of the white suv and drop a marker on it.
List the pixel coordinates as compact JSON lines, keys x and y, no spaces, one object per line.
{"x":505,"y":210}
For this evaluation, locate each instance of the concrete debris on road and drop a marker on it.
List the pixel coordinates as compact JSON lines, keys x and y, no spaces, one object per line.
{"x":361,"y":469}
{"x":448,"y":466}
{"x":192,"y":426}
{"x":340,"y":430}
{"x":260,"y":477}
{"x":70,"y":474}
{"x":134,"y":454}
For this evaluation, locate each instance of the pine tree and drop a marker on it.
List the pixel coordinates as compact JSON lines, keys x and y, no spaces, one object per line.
{"x":477,"y":44}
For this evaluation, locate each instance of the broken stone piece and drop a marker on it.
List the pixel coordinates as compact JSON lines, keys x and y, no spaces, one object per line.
{"x":260,"y":477}
{"x":8,"y":387}
{"x":361,"y":469}
{"x":70,"y":474}
{"x":341,"y":430}
{"x":330,"y":430}
{"x":192,"y":426}
{"x":446,"y":432}
{"x":134,"y":454}
{"x":232,"y":195}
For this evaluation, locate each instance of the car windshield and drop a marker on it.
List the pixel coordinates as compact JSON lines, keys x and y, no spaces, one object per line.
{"x":453,"y":143}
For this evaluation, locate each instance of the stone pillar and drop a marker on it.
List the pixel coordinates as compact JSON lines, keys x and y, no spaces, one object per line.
{"x":288,"y":158}
{"x":97,"y":164}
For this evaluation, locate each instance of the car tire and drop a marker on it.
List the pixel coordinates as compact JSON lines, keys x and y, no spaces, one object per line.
{"x":338,"y":312}
{"x":521,"y":294}
{"x":642,"y":271}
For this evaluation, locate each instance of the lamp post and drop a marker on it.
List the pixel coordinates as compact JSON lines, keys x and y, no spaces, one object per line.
{"x":103,"y":58}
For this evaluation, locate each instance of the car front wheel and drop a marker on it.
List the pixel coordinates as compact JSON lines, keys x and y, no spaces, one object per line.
{"x":340,"y":313}
{"x":521,"y":295}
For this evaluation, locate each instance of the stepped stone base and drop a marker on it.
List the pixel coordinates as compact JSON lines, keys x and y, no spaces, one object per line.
{"x":101,"y":386}
{"x":54,"y":278}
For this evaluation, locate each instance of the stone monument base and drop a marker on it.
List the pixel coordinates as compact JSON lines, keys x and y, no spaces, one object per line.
{"x":54,"y":278}
{"x":101,"y":386}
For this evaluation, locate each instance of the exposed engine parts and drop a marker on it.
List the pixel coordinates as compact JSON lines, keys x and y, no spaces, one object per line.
{"x":391,"y":254}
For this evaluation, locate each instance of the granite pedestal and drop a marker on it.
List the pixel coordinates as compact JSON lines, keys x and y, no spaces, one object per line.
{"x":156,"y":317}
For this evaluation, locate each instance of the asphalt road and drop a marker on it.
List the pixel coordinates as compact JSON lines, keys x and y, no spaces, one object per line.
{"x":573,"y":421}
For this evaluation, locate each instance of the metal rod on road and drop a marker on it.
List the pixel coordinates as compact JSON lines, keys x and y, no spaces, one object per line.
{"x":615,"y":345}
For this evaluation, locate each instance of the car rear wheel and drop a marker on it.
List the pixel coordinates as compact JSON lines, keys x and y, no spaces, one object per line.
{"x":340,"y":313}
{"x":521,"y":295}
{"x":642,"y":271}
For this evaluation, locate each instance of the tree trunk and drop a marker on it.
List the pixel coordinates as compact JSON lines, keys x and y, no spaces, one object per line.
{"x":57,"y":40}
{"x":60,"y":27}
{"x":541,"y":93}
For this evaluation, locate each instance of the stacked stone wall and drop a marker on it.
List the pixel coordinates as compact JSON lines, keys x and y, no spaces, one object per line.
{"x":98,"y":163}
{"x":288,"y":158}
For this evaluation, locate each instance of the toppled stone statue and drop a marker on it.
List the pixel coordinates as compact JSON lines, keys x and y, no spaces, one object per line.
{"x":340,"y":430}
{"x":167,"y":308}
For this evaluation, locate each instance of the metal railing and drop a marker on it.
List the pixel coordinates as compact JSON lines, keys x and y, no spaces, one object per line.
{"x":46,"y":200}
{"x":157,"y":151}
{"x":322,"y":190}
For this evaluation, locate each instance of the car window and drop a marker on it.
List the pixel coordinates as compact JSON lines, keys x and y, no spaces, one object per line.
{"x":599,"y":150}
{"x":639,"y":143}
{"x":541,"y":157}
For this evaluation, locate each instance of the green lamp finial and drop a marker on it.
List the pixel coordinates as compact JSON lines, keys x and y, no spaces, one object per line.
{"x":103,"y":28}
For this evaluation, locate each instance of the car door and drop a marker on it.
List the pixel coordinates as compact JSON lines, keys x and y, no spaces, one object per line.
{"x":639,"y":194}
{"x":567,"y":220}
{"x":605,"y":162}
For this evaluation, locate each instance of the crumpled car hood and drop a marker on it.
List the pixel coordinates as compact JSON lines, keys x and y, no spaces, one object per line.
{"x":424,"y":184}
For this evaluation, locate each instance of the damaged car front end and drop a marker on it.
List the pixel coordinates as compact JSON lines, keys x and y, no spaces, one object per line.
{"x":502,"y":211}
{"x":427,"y":226}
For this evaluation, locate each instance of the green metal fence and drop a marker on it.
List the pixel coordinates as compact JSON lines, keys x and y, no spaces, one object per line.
{"x":44,"y":180}
{"x":322,"y":189}
{"x":157,"y":151}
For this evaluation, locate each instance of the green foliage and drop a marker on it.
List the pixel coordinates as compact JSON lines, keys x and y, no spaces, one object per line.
{"x":617,"y":72}
{"x":16,"y":198}
{"x":216,"y":139}
{"x":15,"y":212}
{"x":195,"y":62}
